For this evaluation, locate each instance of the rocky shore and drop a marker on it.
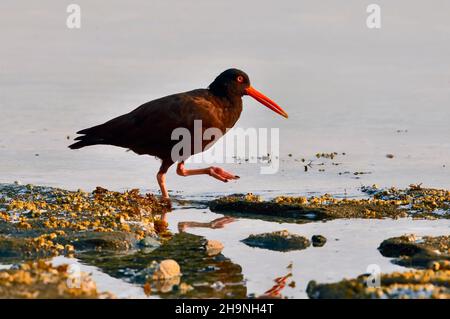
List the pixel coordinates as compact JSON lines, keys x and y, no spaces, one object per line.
{"x":415,"y":202}
{"x":125,"y":235}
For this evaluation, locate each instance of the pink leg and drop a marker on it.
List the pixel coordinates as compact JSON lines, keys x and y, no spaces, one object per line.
{"x":213,"y":171}
{"x":161,"y":178}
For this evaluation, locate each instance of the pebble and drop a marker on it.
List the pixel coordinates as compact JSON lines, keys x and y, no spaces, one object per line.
{"x":167,"y":269}
{"x":213,"y":247}
{"x":318,"y":240}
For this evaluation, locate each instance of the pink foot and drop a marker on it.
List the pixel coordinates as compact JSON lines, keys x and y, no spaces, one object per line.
{"x":221,"y":174}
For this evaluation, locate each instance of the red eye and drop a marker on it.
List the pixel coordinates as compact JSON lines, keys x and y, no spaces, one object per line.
{"x":240,"y":79}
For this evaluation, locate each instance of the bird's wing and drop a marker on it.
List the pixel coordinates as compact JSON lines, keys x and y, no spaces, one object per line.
{"x":153,"y":122}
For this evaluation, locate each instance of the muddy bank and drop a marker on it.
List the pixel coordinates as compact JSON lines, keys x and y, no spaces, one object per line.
{"x":415,"y":201}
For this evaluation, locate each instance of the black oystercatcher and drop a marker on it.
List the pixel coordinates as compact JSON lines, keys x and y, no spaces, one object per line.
{"x":148,"y":129}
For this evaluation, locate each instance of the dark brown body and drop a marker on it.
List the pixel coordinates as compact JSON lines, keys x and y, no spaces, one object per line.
{"x":148,"y":129}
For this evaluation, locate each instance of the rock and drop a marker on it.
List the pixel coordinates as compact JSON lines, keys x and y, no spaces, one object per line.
{"x":213,"y":247}
{"x":414,"y":251}
{"x":278,"y":240}
{"x":8,"y":229}
{"x":315,"y":208}
{"x":414,"y":284}
{"x":41,"y":280}
{"x":198,"y":269}
{"x":14,"y":247}
{"x":167,"y":269}
{"x":102,"y":240}
{"x":218,"y":285}
{"x":318,"y":240}
{"x":404,"y":245}
{"x":240,"y":204}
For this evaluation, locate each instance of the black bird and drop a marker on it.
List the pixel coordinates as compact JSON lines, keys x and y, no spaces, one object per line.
{"x":148,"y":129}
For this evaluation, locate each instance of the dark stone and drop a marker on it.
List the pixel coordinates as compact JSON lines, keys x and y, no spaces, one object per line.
{"x":101,"y":240}
{"x":419,"y":252}
{"x":318,"y":240}
{"x":279,"y":241}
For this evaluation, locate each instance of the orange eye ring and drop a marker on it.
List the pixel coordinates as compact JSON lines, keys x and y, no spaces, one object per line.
{"x":240,"y":79}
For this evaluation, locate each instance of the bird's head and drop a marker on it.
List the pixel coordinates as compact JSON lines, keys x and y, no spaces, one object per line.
{"x":236,"y":83}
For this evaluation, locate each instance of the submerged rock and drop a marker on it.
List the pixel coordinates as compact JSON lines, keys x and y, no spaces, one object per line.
{"x":318,"y":240}
{"x":415,"y":251}
{"x":278,"y":240}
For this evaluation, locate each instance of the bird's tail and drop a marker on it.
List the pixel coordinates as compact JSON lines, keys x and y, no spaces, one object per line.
{"x":86,"y":140}
{"x":99,"y":134}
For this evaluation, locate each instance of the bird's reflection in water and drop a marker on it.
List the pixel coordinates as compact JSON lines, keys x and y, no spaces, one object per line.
{"x":184,"y":225}
{"x":214,"y":224}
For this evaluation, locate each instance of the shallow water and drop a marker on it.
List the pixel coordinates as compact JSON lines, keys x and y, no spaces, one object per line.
{"x":348,"y":89}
